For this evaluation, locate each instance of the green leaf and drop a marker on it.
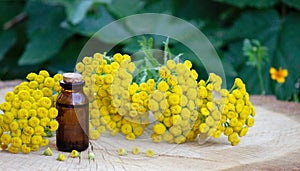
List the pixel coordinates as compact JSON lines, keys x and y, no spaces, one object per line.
{"x":76,"y":9}
{"x":250,"y":3}
{"x":7,"y":40}
{"x":122,"y":8}
{"x":44,"y":31}
{"x":293,"y":3}
{"x":91,"y":23}
{"x":279,"y":36}
{"x":43,"y":46}
{"x":67,"y":57}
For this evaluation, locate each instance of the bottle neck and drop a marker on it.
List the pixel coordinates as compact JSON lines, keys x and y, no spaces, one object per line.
{"x":72,"y":87}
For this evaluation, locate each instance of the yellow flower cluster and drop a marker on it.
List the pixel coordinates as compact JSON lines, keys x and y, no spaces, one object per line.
{"x":182,"y":107}
{"x":115,"y":105}
{"x":135,"y":111}
{"x":174,"y":103}
{"x":29,"y":113}
{"x":185,"y":109}
{"x":209,"y":114}
{"x":237,"y":112}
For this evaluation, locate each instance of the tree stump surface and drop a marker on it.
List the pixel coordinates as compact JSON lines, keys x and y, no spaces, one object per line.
{"x":273,"y":143}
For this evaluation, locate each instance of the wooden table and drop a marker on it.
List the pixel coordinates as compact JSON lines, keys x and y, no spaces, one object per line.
{"x":272,"y":144}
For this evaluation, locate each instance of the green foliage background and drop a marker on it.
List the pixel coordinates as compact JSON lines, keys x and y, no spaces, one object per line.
{"x":53,"y":32}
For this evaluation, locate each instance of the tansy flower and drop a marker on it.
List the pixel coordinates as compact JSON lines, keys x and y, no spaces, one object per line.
{"x":25,"y":149}
{"x":118,"y":57}
{"x":278,"y":75}
{"x":79,"y":67}
{"x":44,"y":142}
{"x":24,"y":95}
{"x":48,"y":152}
{"x":26,"y":138}
{"x":45,"y":102}
{"x":164,"y":72}
{"x":91,"y":155}
{"x":149,"y":153}
{"x":47,"y":92}
{"x":130,"y":136}
{"x":13,"y":149}
{"x":75,"y":154}
{"x":188,"y":64}
{"x":34,"y":147}
{"x":203,"y":128}
{"x":57,"y":77}
{"x":31,"y":76}
{"x":135,"y":150}
{"x":87,"y":60}
{"x":171,"y":64}
{"x":174,"y":99}
{"x":52,"y":113}
{"x":39,"y":78}
{"x":95,"y":134}
{"x":194,"y":74}
{"x":38,"y":130}
{"x":131,"y":67}
{"x":138,"y":131}
{"x":122,"y":152}
{"x":163,"y":86}
{"x":9,"y":96}
{"x":159,"y":128}
{"x":250,"y":122}
{"x":53,"y":125}
{"x":156,"y":138}
{"x":126,"y":129}
{"x":153,"y":105}
{"x":5,"y":139}
{"x":49,"y":82}
{"x":44,"y":73}
{"x":5,"y":106}
{"x":36,"y":139}
{"x":14,"y":125}
{"x":61,"y":157}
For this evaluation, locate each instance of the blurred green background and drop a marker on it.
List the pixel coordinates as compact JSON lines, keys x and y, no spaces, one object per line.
{"x":49,"y":34}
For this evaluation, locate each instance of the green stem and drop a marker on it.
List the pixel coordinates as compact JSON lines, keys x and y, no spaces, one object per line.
{"x":261,"y":81}
{"x":151,"y":59}
{"x":166,"y":51}
{"x":232,"y":88}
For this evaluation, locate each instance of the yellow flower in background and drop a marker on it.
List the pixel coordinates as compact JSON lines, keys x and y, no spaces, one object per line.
{"x":278,"y":75}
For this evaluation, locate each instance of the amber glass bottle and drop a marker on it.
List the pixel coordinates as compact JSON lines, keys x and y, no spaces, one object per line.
{"x":73,"y":107}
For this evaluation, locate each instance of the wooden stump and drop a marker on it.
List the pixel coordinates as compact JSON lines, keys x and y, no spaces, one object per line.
{"x":273,"y":143}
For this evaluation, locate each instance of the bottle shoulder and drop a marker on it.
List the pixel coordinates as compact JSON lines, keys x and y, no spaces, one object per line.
{"x":74,"y":98}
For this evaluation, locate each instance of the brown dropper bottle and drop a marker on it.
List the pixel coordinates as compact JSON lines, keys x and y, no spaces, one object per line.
{"x":73,"y":107}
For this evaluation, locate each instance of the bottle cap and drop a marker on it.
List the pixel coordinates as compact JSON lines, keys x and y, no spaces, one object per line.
{"x":72,"y":78}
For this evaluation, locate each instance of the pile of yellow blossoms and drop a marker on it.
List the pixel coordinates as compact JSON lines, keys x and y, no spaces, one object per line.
{"x":29,"y":113}
{"x":176,"y":107}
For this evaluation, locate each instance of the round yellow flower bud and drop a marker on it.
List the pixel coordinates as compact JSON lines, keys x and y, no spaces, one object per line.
{"x":159,"y":128}
{"x":162,"y":86}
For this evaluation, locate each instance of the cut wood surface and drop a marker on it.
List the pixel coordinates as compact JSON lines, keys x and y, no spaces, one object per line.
{"x":273,"y":143}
